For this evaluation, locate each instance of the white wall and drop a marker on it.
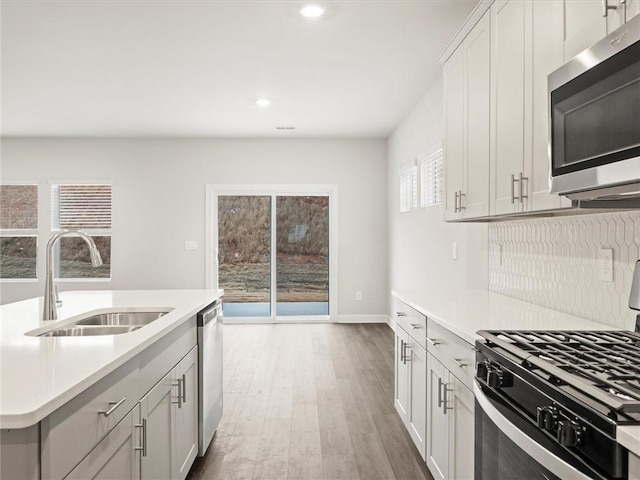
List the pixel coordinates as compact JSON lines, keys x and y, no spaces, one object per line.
{"x":159,"y":202}
{"x":420,"y":242}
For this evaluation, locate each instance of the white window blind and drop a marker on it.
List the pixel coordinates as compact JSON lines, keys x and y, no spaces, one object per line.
{"x":431,"y":178}
{"x":409,"y":189}
{"x":81,"y":207}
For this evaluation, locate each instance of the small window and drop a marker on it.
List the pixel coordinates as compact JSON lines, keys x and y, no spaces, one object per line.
{"x":18,"y":231}
{"x":409,"y":188}
{"x":86,"y":208}
{"x":431,"y":179}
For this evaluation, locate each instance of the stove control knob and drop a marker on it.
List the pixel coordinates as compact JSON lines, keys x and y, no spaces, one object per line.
{"x":570,"y":434}
{"x":481,"y":371}
{"x":495,"y":378}
{"x":547,"y":417}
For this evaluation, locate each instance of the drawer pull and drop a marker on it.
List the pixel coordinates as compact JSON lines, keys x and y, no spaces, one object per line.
{"x":401,"y":314}
{"x":114,"y":405}
{"x":414,"y":326}
{"x":143,"y":447}
{"x":434,"y":341}
{"x":460,"y":362}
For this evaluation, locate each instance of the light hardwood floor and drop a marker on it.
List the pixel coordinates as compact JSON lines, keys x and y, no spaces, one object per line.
{"x":309,"y":401}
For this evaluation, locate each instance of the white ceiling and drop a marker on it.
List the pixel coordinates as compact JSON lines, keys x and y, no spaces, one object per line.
{"x":195,"y":68}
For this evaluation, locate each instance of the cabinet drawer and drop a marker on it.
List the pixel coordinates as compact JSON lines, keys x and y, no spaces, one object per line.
{"x":69,"y":433}
{"x":453,"y":352}
{"x":163,"y":355}
{"x":411,"y":321}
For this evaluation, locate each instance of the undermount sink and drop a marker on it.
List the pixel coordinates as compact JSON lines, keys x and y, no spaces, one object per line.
{"x":112,"y":322}
{"x":121,"y":318}
{"x":89,"y":330}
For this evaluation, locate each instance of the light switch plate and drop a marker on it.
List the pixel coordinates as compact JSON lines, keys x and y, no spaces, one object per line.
{"x":605,"y":264}
{"x":190,"y":245}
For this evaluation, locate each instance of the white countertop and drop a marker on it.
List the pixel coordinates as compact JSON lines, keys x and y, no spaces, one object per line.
{"x":40,"y":374}
{"x":464,"y":312}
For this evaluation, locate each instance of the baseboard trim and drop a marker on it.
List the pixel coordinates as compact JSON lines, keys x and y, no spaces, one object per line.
{"x":372,"y":318}
{"x":392,"y":323}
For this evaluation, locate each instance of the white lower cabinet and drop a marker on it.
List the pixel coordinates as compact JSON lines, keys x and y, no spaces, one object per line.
{"x":110,"y":432}
{"x":186,"y":414}
{"x":401,"y":400}
{"x":169,"y":415}
{"x":410,"y":397}
{"x":411,"y":387}
{"x":450,"y":424}
{"x":116,"y":455}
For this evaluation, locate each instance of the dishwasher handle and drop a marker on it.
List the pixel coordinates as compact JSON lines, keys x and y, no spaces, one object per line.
{"x":210,"y":314}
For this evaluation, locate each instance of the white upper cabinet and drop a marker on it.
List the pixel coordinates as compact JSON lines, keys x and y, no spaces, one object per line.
{"x":453,"y":81}
{"x":587,"y":21}
{"x":632,"y":9}
{"x":584,"y":25}
{"x":474,"y":201}
{"x":508,"y":109}
{"x":466,"y":78}
{"x":546,"y":56}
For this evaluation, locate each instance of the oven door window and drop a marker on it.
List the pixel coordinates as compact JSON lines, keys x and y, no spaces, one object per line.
{"x":508,"y":446}
{"x":595,"y":118}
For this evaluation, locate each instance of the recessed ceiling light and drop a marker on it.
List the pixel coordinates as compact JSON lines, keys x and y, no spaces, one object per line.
{"x":263,"y":102}
{"x":312,"y":11}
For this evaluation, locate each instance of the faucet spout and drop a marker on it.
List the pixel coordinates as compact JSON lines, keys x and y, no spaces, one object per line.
{"x":50,"y":310}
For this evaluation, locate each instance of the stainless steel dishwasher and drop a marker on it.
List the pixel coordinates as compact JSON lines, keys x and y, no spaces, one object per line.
{"x":209,"y":373}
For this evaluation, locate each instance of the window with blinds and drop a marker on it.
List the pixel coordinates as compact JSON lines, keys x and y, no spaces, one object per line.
{"x":409,"y":189}
{"x":431,"y":179}
{"x":87,"y":208}
{"x":18,"y":231}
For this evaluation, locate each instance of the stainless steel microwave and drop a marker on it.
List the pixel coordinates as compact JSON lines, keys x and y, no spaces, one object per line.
{"x":595,"y":120}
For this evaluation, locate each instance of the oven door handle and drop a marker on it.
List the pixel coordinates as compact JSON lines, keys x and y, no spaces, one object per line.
{"x":544,"y":457}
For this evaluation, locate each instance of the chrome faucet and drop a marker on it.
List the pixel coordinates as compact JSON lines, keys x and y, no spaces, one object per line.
{"x":50,"y":310}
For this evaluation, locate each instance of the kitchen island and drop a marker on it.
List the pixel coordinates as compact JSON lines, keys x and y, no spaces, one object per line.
{"x":43,"y":379}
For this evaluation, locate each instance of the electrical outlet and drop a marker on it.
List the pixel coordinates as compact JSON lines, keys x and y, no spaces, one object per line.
{"x":358,"y":296}
{"x":454,"y":250}
{"x":605,"y":264}
{"x":190,"y":245}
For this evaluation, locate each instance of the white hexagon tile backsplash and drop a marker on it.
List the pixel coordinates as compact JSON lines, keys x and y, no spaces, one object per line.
{"x":554,"y":262}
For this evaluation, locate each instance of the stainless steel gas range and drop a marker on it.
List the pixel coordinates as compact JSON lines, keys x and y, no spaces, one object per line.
{"x":548,"y":403}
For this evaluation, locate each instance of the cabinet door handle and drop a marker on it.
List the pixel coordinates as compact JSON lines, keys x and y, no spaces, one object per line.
{"x":455,"y":202}
{"x":406,"y":356}
{"x":445,"y":390}
{"x":440,"y":392}
{"x":514,"y":180}
{"x":461,"y":207}
{"x":433,"y":341}
{"x":143,"y":447}
{"x":606,"y":7}
{"x":184,"y":388}
{"x":523,"y":179}
{"x":402,"y":350}
{"x":114,"y":405}
{"x":179,"y":385}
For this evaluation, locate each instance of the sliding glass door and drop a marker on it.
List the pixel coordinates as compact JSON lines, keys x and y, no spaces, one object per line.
{"x":271,"y":253}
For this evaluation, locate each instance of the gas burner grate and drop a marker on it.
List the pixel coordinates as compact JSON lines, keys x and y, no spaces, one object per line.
{"x":602,"y":364}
